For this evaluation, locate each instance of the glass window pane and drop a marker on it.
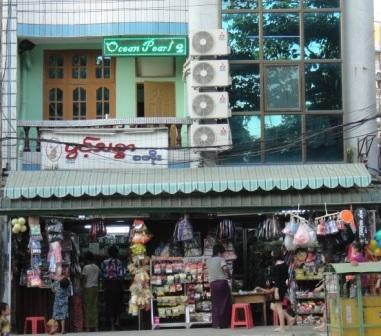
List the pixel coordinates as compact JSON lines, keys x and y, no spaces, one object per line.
{"x":52,"y":94}
{"x":75,"y":109}
{"x":52,"y":73}
{"x":82,"y":94}
{"x":106,"y":61}
{"x":99,"y":110}
{"x":282,"y":87}
{"x":106,"y":73}
{"x":98,"y":73}
{"x":281,"y":36}
{"x":59,"y":109}
{"x":83,"y":60}
{"x":273,"y":4}
{"x":322,"y":35}
{"x":106,"y":107}
{"x":322,"y":3}
{"x":83,"y":73}
{"x":74,"y":73}
{"x":75,"y":61}
{"x":99,"y":94}
{"x":60,"y":73}
{"x":283,"y":138}
{"x":83,"y":109}
{"x":239,"y":4}
{"x":324,"y":135}
{"x":106,"y":94}
{"x":246,"y":133}
{"x":243,"y":35}
{"x":75,"y":95}
{"x":323,"y":86}
{"x":245,"y":88}
{"x":59,"y":95}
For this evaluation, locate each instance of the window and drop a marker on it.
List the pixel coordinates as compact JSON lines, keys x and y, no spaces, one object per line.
{"x":243,"y":32}
{"x":79,"y":104}
{"x":78,"y":84}
{"x":103,"y":102}
{"x":282,"y":87}
{"x":55,"y":103}
{"x":322,"y":35}
{"x":286,"y":71}
{"x":281,"y":36}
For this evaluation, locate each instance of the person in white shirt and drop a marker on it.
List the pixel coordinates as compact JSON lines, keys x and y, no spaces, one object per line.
{"x":91,"y":274}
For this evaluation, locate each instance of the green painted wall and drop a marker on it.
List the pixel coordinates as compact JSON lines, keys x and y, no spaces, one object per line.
{"x":30,"y":99}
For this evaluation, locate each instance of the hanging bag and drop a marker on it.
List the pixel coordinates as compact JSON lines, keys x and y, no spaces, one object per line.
{"x":302,"y":237}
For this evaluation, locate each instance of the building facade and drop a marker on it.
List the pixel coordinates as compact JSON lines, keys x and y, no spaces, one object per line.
{"x":302,"y":99}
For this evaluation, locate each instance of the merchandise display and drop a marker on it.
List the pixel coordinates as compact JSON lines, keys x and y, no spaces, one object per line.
{"x":181,"y":292}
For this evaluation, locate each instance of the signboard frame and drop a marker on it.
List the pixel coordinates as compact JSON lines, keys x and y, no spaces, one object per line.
{"x":135,"y":49}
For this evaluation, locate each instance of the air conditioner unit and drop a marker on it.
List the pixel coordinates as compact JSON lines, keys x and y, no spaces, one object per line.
{"x":215,"y":137}
{"x":209,"y":43}
{"x":209,"y":105}
{"x":210,"y":73}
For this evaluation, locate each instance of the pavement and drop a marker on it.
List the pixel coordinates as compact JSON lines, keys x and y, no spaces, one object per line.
{"x":256,"y":331}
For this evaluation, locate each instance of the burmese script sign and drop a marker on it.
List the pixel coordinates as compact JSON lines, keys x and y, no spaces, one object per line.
{"x":145,"y":46}
{"x":104,"y":148}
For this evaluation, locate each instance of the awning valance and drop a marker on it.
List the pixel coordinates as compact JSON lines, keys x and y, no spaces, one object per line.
{"x":45,"y":184}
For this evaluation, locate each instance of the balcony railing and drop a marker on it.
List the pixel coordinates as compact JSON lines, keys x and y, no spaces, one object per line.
{"x":174,"y":126}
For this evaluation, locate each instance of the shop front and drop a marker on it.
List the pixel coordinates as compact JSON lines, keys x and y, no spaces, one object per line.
{"x":165,"y":223}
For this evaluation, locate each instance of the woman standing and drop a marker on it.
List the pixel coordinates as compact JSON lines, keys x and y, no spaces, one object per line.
{"x":279,"y":289}
{"x":113,"y":274}
{"x":218,"y":274}
{"x":91,"y":274}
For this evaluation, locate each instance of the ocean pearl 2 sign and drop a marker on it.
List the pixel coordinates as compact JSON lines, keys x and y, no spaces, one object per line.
{"x":145,"y":46}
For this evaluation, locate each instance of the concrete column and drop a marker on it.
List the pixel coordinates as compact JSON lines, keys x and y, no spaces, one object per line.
{"x":203,"y":14}
{"x":359,"y":73}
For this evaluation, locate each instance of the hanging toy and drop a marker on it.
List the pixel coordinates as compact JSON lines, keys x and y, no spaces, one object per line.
{"x":19,"y":225}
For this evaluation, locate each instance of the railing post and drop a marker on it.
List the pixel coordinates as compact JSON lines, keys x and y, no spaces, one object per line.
{"x":178,"y":135}
{"x":26,"y":139}
{"x":38,"y":143}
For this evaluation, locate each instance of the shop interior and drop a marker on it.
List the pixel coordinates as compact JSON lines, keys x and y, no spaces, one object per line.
{"x":164,"y":257}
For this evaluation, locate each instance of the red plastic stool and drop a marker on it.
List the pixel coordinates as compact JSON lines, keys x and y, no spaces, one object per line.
{"x":248,"y":317}
{"x":34,"y":320}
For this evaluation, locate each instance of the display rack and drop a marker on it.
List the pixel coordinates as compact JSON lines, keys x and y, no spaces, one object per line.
{"x":181,"y":292}
{"x":308,"y":305}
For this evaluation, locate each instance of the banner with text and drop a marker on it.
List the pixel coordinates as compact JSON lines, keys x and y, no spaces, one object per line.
{"x":104,"y":148}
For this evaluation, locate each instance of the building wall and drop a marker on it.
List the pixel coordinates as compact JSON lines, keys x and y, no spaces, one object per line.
{"x":31,"y":82}
{"x":96,"y":18}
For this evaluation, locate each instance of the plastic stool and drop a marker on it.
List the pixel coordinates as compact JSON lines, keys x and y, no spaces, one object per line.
{"x":34,"y":320}
{"x":248,"y":317}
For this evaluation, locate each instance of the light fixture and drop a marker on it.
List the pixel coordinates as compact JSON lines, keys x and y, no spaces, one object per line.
{"x":88,"y":227}
{"x":125,"y":229}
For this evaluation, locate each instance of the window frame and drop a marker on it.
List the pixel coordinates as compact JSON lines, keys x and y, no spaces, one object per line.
{"x":68,"y":84}
{"x":301,"y":63}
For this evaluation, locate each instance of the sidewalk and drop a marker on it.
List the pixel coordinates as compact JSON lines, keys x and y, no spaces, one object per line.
{"x":256,"y":331}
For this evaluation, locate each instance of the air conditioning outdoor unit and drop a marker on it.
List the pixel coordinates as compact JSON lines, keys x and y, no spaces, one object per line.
{"x":209,"y":105}
{"x":209,"y":43}
{"x":215,"y":137}
{"x":210,"y":73}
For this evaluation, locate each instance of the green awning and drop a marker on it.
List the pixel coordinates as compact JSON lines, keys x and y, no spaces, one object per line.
{"x":227,"y":202}
{"x":368,"y":267}
{"x":45,"y":184}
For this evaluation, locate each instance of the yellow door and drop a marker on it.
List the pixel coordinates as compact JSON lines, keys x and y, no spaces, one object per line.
{"x":160,"y":101}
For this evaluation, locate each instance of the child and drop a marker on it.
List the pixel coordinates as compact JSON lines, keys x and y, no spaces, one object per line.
{"x":5,"y":326}
{"x":62,"y":290}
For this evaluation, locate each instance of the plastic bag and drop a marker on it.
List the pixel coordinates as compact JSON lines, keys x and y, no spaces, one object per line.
{"x":289,"y":243}
{"x":301,"y":237}
{"x":183,"y":230}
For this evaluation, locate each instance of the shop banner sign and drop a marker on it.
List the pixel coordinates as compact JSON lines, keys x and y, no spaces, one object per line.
{"x":104,"y":148}
{"x":145,"y":46}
